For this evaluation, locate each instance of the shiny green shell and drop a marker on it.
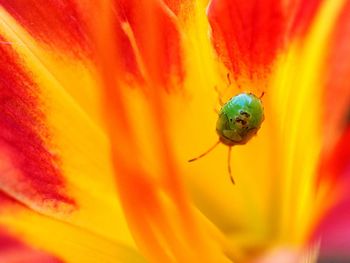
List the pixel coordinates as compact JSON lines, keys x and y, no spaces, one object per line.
{"x":240,"y":119}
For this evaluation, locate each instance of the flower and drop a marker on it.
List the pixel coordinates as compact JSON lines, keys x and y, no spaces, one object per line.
{"x":99,"y":117}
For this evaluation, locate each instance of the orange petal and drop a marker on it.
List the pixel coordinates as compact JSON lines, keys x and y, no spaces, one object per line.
{"x":181,"y":8}
{"x":164,"y":223}
{"x":152,"y":32}
{"x":336,"y":77}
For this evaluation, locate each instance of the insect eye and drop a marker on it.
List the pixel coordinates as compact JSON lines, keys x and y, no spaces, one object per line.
{"x":231,"y":120}
{"x":246,"y":114}
{"x":242,"y":121}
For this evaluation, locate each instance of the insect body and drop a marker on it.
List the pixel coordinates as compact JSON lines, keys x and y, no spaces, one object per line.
{"x":239,"y":120}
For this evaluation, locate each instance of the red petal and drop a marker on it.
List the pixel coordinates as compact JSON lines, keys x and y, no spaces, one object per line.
{"x":334,"y":167}
{"x":335,"y":231}
{"x":28,"y":169}
{"x":334,"y":227}
{"x":12,"y":250}
{"x":247,"y":34}
{"x":305,"y":11}
{"x":54,"y":22}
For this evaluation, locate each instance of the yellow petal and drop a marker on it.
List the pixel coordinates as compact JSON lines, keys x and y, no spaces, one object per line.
{"x":67,"y":241}
{"x":77,"y":141}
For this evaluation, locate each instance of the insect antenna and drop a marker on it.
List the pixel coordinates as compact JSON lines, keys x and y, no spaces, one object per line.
{"x":205,"y":153}
{"x":229,"y":164}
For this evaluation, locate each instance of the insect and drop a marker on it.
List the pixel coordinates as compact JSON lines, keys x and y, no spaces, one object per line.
{"x":238,"y":121}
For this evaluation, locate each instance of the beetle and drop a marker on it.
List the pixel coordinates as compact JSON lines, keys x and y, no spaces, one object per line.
{"x":238,"y":121}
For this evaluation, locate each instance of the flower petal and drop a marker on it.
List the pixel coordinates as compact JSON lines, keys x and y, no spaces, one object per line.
{"x":57,"y":23}
{"x":333,"y":227}
{"x":164,"y":223}
{"x":12,"y":250}
{"x":276,"y":172}
{"x":50,"y":144}
{"x":247,"y":35}
{"x":63,"y":57}
{"x":333,"y":181}
{"x":25,"y":137}
{"x":65,"y":240}
{"x":181,"y":8}
{"x":336,"y":78}
{"x":152,"y":32}
{"x":305,"y":11}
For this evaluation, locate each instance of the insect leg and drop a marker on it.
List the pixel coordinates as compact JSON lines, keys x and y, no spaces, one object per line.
{"x":229,"y":164}
{"x":229,"y":82}
{"x":219,"y":96}
{"x":228,"y":79}
{"x":205,"y":153}
{"x":262,"y":95}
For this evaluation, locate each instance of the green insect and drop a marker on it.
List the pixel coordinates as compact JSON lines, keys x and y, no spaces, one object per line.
{"x":239,"y":120}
